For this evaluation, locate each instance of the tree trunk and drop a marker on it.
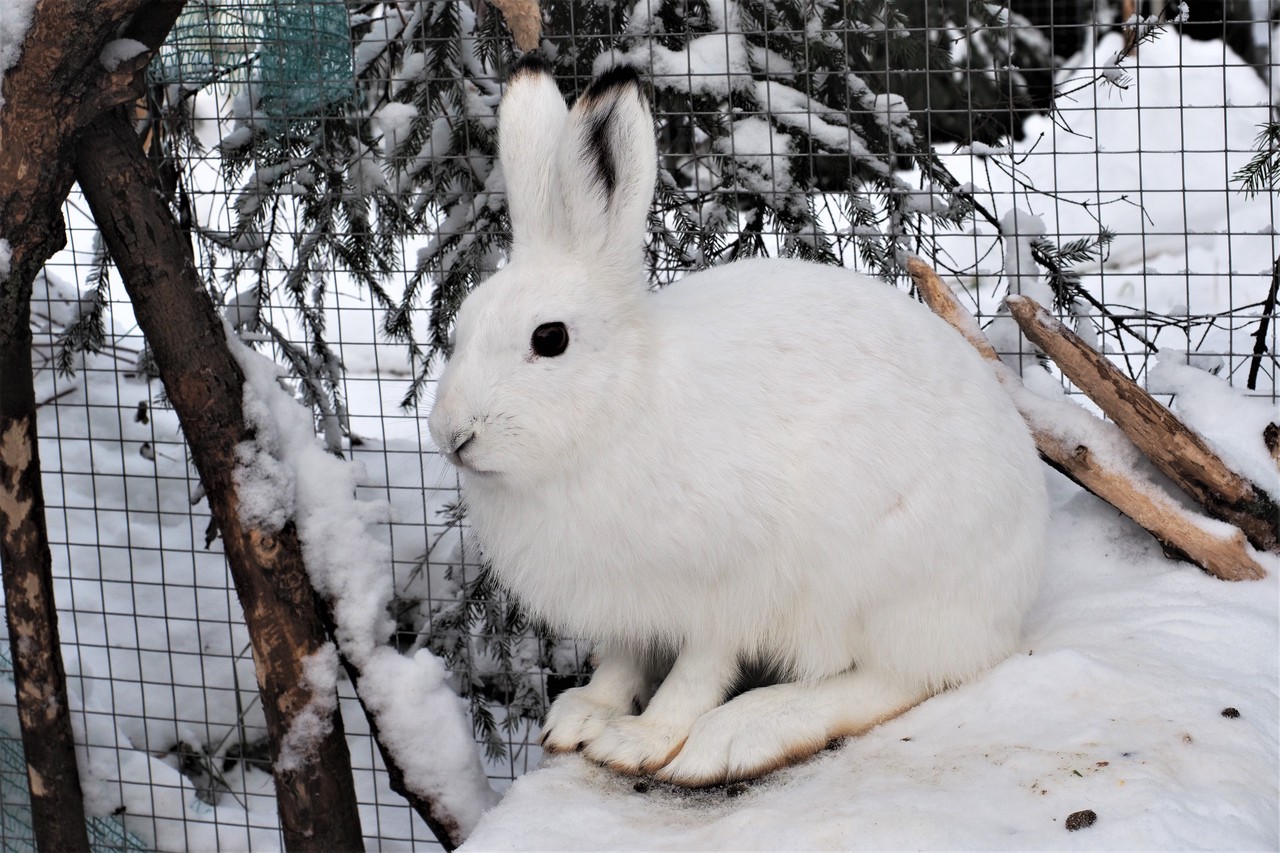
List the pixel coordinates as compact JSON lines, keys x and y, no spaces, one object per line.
{"x":56,"y":85}
{"x":205,"y":386}
{"x":57,"y":804}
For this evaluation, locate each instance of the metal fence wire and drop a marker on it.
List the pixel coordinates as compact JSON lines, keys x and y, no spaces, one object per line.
{"x":334,"y":165}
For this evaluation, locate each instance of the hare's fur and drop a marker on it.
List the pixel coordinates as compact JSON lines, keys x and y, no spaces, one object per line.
{"x":770,"y":466}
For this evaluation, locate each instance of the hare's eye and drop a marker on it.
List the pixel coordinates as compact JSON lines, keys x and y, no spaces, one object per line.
{"x":550,"y":339}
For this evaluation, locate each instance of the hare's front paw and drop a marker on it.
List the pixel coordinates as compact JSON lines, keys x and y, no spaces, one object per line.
{"x":742,"y":740}
{"x":577,"y":718}
{"x":636,"y":745}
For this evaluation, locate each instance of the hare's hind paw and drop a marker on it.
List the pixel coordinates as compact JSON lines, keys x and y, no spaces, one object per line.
{"x":771,"y":727}
{"x":576,"y":718}
{"x":636,"y":745}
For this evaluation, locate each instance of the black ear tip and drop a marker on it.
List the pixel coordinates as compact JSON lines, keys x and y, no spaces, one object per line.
{"x":531,"y":63}
{"x":617,"y":77}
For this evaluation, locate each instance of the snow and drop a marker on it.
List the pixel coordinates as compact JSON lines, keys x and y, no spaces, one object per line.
{"x":1153,"y":165}
{"x":981,"y":149}
{"x":796,"y":110}
{"x":237,"y":139}
{"x":1171,"y":159}
{"x":366,"y":176}
{"x":314,"y":722}
{"x":6,"y":253}
{"x":376,"y":41}
{"x":1020,"y":230}
{"x":258,"y":187}
{"x":713,"y":64}
{"x":266,"y":487}
{"x":119,"y":51}
{"x":396,"y":121}
{"x":1114,"y":704}
{"x":1022,"y":276}
{"x":762,"y":150}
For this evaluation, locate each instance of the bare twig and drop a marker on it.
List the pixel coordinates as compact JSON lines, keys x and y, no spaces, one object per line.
{"x":1264,"y":325}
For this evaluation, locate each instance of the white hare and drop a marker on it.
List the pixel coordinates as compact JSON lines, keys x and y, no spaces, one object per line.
{"x":769,"y":473}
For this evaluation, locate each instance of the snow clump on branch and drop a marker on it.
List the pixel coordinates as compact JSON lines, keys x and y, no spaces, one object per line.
{"x":421,"y":721}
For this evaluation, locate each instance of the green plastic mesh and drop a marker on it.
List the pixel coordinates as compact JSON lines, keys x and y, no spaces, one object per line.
{"x":16,"y":833}
{"x":305,"y":63}
{"x":295,"y":53}
{"x":208,"y":42}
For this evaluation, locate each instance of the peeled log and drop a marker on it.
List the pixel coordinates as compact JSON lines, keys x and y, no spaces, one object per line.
{"x":1177,"y":450}
{"x":1213,"y":546}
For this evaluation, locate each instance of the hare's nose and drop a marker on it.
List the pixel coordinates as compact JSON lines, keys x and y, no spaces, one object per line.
{"x":460,"y":440}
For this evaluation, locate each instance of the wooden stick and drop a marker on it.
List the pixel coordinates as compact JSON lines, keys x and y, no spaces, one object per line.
{"x":524,"y":19}
{"x":1092,"y":454}
{"x":1177,"y":450}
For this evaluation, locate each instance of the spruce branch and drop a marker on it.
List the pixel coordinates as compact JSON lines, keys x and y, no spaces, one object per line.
{"x":1262,"y":172}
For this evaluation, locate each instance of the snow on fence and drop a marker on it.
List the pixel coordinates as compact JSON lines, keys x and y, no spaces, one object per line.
{"x":333,"y":167}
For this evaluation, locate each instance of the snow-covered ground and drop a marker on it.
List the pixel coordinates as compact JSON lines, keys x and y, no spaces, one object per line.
{"x":1115,"y":706}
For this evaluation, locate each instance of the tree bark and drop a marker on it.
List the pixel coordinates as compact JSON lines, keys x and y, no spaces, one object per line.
{"x":205,"y":386}
{"x":1171,"y":445}
{"x":1181,"y":533}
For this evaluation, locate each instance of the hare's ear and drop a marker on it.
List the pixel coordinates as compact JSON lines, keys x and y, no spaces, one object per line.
{"x":531,"y":120}
{"x":608,"y":163}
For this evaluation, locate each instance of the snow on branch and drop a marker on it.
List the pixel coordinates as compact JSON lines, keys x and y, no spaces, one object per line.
{"x":1235,"y":424}
{"x":1096,"y":455}
{"x":421,"y":723}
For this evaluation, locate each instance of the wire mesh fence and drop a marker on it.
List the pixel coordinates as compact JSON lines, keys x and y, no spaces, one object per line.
{"x":334,"y":166}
